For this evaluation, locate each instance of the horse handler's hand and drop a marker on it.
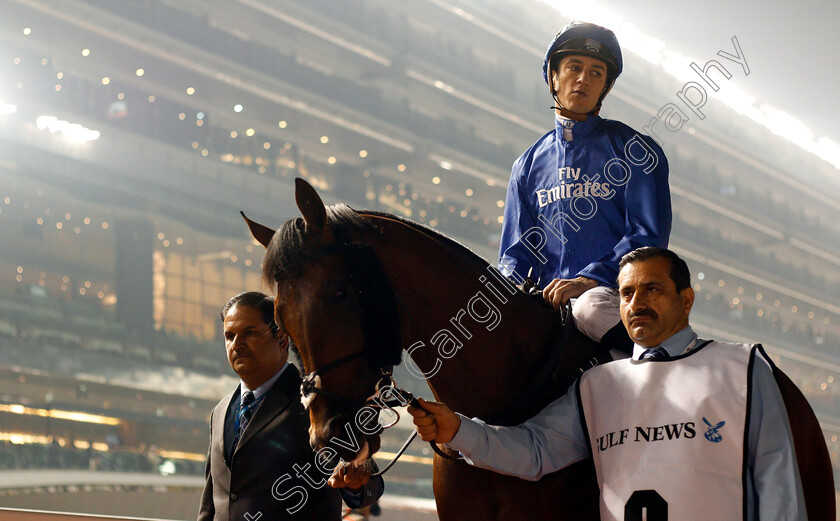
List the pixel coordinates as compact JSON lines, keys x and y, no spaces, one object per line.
{"x":559,"y":291}
{"x":435,"y":421}
{"x":351,"y":475}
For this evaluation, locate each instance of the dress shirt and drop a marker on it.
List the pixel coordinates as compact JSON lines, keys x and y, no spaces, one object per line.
{"x":679,"y":343}
{"x":554,"y":439}
{"x":264,"y":387}
{"x":352,"y":497}
{"x":236,"y":405}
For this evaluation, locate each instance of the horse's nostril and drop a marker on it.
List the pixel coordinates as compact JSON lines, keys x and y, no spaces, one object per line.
{"x":344,"y":438}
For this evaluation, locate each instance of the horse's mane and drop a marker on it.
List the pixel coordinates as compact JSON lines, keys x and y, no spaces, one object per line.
{"x":456,"y":246}
{"x":288,"y":253}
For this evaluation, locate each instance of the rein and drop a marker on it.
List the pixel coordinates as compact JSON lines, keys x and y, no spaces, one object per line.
{"x":550,"y":369}
{"x":311,"y":386}
{"x":378,"y":302}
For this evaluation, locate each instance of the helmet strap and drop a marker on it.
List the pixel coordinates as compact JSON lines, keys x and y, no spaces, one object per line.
{"x":566,"y":113}
{"x":576,"y":116}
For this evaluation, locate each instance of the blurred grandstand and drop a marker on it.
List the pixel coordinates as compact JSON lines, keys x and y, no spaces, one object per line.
{"x":132,"y":133}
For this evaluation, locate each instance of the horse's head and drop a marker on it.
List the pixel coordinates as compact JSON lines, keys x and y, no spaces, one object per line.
{"x":335,"y":302}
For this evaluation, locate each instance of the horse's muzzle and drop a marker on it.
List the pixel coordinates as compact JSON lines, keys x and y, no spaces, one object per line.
{"x":340,"y":434}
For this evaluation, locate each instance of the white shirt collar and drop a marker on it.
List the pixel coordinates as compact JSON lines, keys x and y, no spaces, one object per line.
{"x":680,"y":342}
{"x":262,"y":389}
{"x":567,"y":125}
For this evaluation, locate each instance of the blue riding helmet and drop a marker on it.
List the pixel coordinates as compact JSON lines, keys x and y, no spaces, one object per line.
{"x":588,"y":40}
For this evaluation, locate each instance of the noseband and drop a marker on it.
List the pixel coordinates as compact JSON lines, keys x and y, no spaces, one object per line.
{"x":310,"y":387}
{"x":380,"y":322}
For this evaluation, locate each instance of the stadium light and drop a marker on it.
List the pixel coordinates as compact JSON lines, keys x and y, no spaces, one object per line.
{"x":320,"y":33}
{"x":7,"y":108}
{"x":219,"y":255}
{"x":76,"y":416}
{"x":167,"y":468}
{"x":72,"y":131}
{"x":676,"y":65}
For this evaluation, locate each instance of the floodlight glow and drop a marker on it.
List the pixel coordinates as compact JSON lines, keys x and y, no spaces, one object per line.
{"x":831,"y":148}
{"x":677,"y":65}
{"x":175,"y":454}
{"x":72,"y":131}
{"x":167,"y":468}
{"x":60,"y":414}
{"x":7,"y":108}
{"x":444,"y":87}
{"x":647,"y":47}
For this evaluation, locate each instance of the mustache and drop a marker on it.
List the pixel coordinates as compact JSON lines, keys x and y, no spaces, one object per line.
{"x":645,"y":313}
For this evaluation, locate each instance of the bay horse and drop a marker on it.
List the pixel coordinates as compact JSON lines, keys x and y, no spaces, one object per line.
{"x":354,"y":289}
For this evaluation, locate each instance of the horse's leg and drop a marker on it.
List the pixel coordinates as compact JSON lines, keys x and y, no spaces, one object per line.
{"x":461,"y":492}
{"x":568,"y":495}
{"x":811,"y":452}
{"x":464,"y":492}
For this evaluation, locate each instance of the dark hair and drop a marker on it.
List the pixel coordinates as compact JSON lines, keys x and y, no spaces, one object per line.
{"x":288,"y":252}
{"x":254,"y":300}
{"x":679,"y":269}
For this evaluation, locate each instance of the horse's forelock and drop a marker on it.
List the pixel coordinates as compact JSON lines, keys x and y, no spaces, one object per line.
{"x":286,"y":254}
{"x":290,"y":250}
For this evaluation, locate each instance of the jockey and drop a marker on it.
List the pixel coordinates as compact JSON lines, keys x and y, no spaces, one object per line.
{"x":587,"y":192}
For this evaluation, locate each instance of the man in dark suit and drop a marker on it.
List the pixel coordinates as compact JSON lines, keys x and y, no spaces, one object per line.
{"x":259,"y":463}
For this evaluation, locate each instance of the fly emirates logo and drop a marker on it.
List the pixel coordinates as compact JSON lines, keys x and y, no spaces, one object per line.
{"x":573,"y":185}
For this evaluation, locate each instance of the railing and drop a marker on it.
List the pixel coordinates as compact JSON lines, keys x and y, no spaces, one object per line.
{"x":14,"y":514}
{"x":388,"y":502}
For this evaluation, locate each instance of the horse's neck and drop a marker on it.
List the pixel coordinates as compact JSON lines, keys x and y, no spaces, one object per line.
{"x":449,"y":299}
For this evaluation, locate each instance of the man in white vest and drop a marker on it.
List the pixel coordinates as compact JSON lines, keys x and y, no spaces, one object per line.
{"x":686,"y":429}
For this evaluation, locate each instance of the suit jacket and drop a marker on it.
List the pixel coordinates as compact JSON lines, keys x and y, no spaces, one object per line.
{"x":272,"y":470}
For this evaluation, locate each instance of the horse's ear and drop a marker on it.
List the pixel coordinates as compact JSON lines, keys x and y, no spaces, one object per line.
{"x":311,"y":207}
{"x":262,"y":234}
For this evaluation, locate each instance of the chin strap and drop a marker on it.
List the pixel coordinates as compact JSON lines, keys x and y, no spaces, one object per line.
{"x":576,"y":116}
{"x":566,"y":113}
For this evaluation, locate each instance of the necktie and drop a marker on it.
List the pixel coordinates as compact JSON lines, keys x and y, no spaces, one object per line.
{"x":655,"y":353}
{"x":245,"y":413}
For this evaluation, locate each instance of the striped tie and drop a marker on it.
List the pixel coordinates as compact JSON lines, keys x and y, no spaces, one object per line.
{"x":245,"y":413}
{"x":655,"y":353}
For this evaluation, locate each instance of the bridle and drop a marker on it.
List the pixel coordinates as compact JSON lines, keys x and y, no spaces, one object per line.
{"x":310,"y":387}
{"x":368,"y":280}
{"x":311,"y":384}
